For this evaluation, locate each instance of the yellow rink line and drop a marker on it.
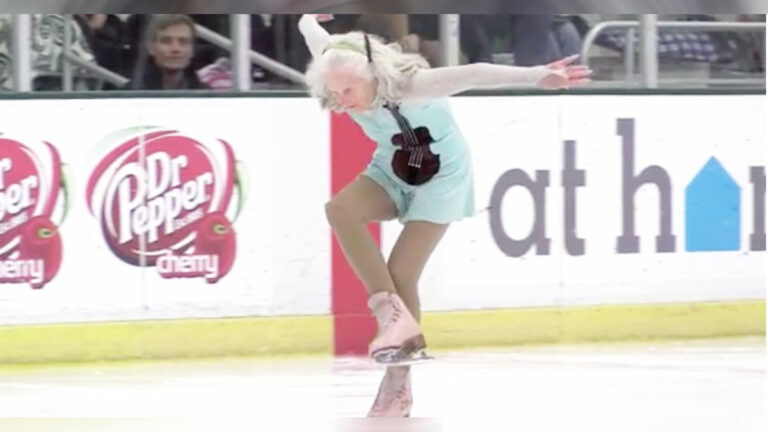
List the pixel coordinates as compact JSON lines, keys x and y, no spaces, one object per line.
{"x":595,"y":324}
{"x":276,"y":336}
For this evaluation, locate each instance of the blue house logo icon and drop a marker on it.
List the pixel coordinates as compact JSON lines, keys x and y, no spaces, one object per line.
{"x":712,"y":210}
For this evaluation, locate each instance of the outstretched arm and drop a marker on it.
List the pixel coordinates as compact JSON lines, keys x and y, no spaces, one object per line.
{"x":315,"y":35}
{"x":446,"y":81}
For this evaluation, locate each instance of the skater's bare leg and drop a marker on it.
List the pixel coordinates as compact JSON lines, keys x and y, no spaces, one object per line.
{"x":409,"y":256}
{"x":406,"y":263}
{"x":348,"y":213}
{"x":399,"y":342}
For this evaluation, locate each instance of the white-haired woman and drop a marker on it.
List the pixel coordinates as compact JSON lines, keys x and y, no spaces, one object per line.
{"x":420,"y":173}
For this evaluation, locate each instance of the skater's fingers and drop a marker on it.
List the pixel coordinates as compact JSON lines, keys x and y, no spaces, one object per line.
{"x":578,"y":82}
{"x":581,"y":73}
{"x":577,"y":68}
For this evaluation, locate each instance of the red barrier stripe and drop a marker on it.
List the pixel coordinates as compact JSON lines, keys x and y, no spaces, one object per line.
{"x":353,"y":325}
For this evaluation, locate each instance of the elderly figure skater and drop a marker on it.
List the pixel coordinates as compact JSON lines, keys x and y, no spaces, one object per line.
{"x":420,"y":173}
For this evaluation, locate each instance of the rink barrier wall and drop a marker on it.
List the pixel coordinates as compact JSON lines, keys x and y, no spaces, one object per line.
{"x":316,"y":308}
{"x":598,"y":200}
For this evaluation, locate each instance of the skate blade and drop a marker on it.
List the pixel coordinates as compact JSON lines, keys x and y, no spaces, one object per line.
{"x":395,"y":357}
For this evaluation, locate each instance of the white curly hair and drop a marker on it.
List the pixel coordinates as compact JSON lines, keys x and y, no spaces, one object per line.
{"x":390,"y":68}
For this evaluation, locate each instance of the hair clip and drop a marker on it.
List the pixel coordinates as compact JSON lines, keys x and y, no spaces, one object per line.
{"x":368,"y":48}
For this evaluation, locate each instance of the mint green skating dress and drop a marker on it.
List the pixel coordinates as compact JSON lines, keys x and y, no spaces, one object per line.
{"x":449,"y":195}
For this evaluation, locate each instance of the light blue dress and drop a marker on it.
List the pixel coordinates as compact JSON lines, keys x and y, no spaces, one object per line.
{"x":449,"y":195}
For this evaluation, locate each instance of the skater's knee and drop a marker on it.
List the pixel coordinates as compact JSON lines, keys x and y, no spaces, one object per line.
{"x":337,"y":211}
{"x":333,"y":211}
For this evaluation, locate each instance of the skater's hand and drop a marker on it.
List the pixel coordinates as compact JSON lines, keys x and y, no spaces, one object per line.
{"x":563,"y":75}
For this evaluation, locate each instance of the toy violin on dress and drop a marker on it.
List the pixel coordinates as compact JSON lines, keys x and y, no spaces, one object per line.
{"x":414,"y":162}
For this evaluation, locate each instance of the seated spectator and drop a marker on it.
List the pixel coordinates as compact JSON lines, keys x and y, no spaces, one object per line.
{"x":107,"y":36}
{"x":135,"y":31}
{"x":207,"y":53}
{"x":720,"y":51}
{"x":476,"y":36}
{"x":287,"y":45}
{"x":217,"y":75}
{"x":263,"y":42}
{"x":754,"y":44}
{"x":6,"y":79}
{"x":533,"y":42}
{"x":423,"y":37}
{"x":567,"y":36}
{"x":414,"y":33}
{"x":47,"y":52}
{"x":170,"y":44}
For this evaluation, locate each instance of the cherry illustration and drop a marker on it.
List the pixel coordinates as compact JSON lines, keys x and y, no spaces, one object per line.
{"x":40,"y":240}
{"x":216,"y":236}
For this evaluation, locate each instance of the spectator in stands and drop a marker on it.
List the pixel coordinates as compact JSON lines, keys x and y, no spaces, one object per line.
{"x":107,"y":36}
{"x":136,"y":29}
{"x":47,"y":52}
{"x":754,"y":44}
{"x":533,"y":41}
{"x":170,"y":44}
{"x":206,"y":52}
{"x":263,"y":42}
{"x":289,"y":47}
{"x":424,"y":37}
{"x":414,"y":33}
{"x":6,"y":79}
{"x":567,"y":35}
{"x":476,"y":36}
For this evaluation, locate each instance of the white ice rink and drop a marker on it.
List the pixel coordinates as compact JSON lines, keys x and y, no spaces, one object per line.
{"x":672,"y":386}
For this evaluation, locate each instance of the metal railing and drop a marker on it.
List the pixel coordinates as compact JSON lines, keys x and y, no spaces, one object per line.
{"x":21,"y":52}
{"x":449,"y":30}
{"x":631,"y":36}
{"x":253,"y":56}
{"x":95,"y":70}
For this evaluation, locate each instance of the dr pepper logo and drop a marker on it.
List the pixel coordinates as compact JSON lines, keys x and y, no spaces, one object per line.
{"x":163,"y":200}
{"x":31,"y":191}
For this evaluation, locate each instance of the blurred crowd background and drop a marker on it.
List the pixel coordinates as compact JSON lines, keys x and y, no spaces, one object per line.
{"x":168,"y":52}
